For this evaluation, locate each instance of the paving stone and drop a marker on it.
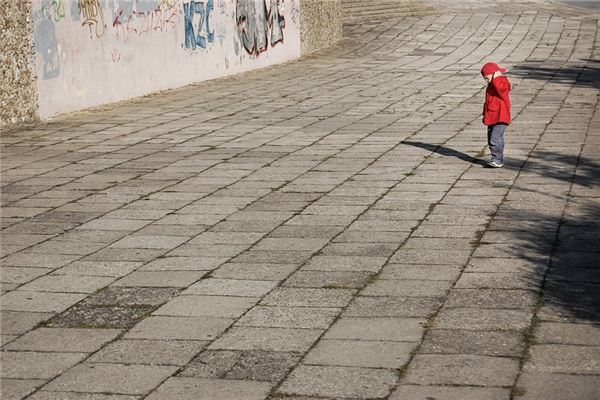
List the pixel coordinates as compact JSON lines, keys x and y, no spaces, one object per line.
{"x":492,"y":343}
{"x":407,"y":288}
{"x":111,"y":378}
{"x":67,"y":284}
{"x":458,"y":369}
{"x":179,"y":328}
{"x":131,"y":296}
{"x":273,"y":257}
{"x":210,"y":389}
{"x":345,"y":263}
{"x":306,"y":231}
{"x":447,"y":257}
{"x":17,"y":389}
{"x":456,"y":231}
{"x":162,"y":352}
{"x":492,"y":298}
{"x":160,"y":278}
{"x":567,"y":359}
{"x":261,"y":272}
{"x":328,"y":381}
{"x":268,"y":339}
{"x":37,"y":365}
{"x":386,"y":329}
{"x":45,"y":395}
{"x":565,"y":312}
{"x":359,"y":249}
{"x":564,"y":333}
{"x":58,"y":339}
{"x":150,"y":242}
{"x":132,"y":255}
{"x":212,"y":364}
{"x":289,"y":317}
{"x":114,"y":269}
{"x":505,"y":265}
{"x":533,"y":386}
{"x":231,"y":287}
{"x":499,"y":281}
{"x":42,"y":302}
{"x":227,"y":238}
{"x":19,"y":322}
{"x":98,"y":317}
{"x":420,"y":272}
{"x":354,"y":353}
{"x":483,"y":319}
{"x":208,"y":250}
{"x":307,"y":297}
{"x":211,"y":306}
{"x":328,"y":279}
{"x":114,"y":224}
{"x":49,"y":261}
{"x":371,"y":237}
{"x":21,"y":275}
{"x":293,"y":244}
{"x":168,"y":263}
{"x":363,"y":306}
{"x":414,"y":392}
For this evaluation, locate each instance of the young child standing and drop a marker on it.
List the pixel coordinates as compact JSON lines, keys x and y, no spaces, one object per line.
{"x":496,"y":110}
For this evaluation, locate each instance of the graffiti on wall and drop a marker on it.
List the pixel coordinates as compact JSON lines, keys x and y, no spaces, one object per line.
{"x":198,"y":31}
{"x":45,"y":41}
{"x":58,"y":10}
{"x":93,"y":16}
{"x":160,"y":17}
{"x":255,"y":19}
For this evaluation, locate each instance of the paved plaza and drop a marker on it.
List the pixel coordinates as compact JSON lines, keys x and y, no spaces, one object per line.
{"x":323,"y":229}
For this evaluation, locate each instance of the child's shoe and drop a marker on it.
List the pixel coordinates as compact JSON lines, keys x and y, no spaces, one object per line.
{"x":495,"y":164}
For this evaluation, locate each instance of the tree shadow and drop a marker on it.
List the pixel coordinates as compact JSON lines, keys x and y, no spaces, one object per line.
{"x":586,"y":75}
{"x":445,"y":151}
{"x":571,"y":291}
{"x":537,"y":230}
{"x":570,"y":241}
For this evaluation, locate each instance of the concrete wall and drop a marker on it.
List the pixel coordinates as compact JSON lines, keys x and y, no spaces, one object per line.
{"x":93,"y":52}
{"x":18,"y":101}
{"x":321,"y":24}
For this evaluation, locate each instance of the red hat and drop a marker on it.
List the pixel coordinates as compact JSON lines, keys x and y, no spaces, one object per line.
{"x":490,"y":68}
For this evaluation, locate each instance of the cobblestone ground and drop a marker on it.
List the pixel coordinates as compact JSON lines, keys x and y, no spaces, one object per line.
{"x":322,"y":229}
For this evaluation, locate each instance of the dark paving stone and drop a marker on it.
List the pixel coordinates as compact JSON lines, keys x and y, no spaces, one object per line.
{"x":131,"y":296}
{"x":100,"y":317}
{"x":263,"y":366}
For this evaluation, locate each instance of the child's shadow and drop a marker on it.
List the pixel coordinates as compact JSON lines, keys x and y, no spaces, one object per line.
{"x":445,"y":151}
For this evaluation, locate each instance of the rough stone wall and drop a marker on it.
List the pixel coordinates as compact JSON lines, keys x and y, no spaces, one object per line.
{"x":320,"y":24}
{"x":18,"y":91}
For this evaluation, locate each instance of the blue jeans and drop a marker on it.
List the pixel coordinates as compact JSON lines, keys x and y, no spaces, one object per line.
{"x":495,"y":136}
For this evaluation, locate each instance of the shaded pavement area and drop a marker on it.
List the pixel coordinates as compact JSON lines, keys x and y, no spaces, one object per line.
{"x":322,"y":229}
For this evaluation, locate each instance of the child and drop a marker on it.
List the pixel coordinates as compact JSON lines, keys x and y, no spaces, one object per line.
{"x":496,"y":110}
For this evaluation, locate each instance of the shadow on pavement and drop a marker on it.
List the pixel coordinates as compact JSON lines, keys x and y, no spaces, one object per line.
{"x":585,"y":76}
{"x":445,"y":151}
{"x":572,"y":288}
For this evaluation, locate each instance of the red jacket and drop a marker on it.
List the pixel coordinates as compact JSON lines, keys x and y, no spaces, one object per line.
{"x":497,"y":102}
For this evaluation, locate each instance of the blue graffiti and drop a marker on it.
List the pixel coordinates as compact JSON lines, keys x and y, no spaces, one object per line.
{"x":46,"y":43}
{"x":201,"y":34}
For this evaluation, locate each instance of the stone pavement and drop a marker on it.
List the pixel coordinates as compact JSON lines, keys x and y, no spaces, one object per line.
{"x":321,"y":229}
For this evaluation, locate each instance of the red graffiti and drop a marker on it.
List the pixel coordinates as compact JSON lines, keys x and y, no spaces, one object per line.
{"x":161,"y":19}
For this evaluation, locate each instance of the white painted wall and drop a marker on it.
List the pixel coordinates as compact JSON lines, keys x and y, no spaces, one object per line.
{"x":92,"y":52}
